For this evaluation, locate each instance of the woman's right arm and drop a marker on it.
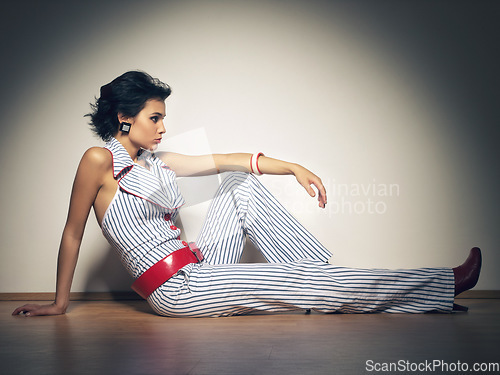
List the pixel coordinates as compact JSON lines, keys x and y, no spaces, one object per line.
{"x":95,"y":163}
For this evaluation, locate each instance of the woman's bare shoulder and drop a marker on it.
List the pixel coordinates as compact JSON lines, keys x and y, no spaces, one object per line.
{"x":97,"y":158}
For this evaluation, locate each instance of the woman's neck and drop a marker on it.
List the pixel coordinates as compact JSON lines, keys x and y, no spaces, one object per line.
{"x":132,"y":149}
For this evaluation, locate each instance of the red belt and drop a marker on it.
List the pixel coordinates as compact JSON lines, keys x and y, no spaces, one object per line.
{"x":160,"y":272}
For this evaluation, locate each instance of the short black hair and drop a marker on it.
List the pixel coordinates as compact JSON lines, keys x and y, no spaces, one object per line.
{"x":126,"y":94}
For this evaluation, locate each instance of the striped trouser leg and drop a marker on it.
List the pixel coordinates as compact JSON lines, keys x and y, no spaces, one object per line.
{"x":236,"y":289}
{"x":297,"y":276}
{"x":243,"y":206}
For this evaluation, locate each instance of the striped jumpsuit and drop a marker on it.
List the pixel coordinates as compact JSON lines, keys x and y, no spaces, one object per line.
{"x":139,"y":223}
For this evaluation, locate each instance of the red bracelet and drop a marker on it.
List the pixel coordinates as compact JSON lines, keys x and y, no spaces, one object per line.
{"x":254,"y":163}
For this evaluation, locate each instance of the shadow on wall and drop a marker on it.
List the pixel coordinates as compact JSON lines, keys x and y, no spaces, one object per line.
{"x":109,"y":275}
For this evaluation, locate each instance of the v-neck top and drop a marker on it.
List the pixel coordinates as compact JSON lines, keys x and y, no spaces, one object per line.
{"x":139,"y":221}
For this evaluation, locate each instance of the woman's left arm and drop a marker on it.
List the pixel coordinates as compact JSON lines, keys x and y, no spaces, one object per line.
{"x":184,"y":165}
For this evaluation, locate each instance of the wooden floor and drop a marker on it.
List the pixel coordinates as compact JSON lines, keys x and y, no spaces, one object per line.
{"x":125,"y":337}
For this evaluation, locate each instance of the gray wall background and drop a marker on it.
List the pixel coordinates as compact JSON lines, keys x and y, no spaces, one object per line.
{"x":367,"y":94}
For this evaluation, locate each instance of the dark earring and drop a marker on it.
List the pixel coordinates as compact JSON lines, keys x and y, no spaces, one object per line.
{"x":125,"y":127}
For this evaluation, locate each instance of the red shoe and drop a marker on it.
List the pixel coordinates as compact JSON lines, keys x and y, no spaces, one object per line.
{"x":467,"y":274}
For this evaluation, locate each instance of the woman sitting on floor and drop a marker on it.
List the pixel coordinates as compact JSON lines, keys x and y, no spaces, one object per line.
{"x":136,"y":200}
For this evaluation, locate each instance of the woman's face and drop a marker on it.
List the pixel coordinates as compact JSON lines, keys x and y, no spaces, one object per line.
{"x":147,"y":127}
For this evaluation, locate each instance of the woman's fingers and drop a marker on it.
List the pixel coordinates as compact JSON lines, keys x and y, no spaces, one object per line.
{"x":306,"y":178}
{"x":321,"y":192}
{"x":322,"y":196}
{"x":26,"y":309}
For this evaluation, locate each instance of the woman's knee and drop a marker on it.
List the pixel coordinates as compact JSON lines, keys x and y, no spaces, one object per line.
{"x":235,"y":180}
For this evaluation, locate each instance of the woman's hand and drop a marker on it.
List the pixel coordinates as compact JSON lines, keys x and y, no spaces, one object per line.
{"x":32,"y":309}
{"x":306,"y":178}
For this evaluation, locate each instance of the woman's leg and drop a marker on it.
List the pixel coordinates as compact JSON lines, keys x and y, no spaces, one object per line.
{"x":295,"y":278}
{"x":243,"y":206}
{"x":236,"y":289}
